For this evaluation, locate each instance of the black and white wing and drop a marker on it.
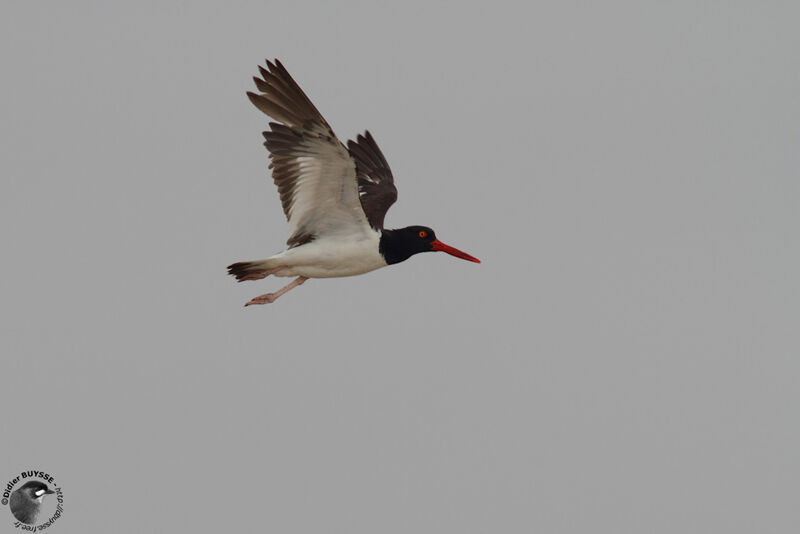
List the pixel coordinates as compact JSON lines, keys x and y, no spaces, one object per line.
{"x":376,"y":188}
{"x":315,"y":175}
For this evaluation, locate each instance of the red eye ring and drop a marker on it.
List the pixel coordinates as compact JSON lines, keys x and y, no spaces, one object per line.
{"x":423,"y":234}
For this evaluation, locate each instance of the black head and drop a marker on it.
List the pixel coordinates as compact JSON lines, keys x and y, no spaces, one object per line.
{"x":399,"y":245}
{"x":35,"y":489}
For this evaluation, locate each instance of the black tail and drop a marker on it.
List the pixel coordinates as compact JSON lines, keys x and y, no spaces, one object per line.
{"x":248,"y":270}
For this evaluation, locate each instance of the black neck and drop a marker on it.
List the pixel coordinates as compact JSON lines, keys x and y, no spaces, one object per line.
{"x":391,"y":247}
{"x":395,"y":246}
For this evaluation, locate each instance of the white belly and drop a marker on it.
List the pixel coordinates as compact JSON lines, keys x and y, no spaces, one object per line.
{"x":331,"y":257}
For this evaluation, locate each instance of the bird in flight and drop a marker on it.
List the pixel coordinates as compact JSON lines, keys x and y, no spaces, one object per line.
{"x":335,"y":197}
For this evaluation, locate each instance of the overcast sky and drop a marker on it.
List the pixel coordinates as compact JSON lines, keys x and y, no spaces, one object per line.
{"x":624,"y":360}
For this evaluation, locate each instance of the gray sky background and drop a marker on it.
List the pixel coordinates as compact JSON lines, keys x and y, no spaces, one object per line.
{"x":626,"y":358}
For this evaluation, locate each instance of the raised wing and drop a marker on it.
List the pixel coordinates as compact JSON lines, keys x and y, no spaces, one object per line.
{"x":376,"y":188}
{"x":315,"y":175}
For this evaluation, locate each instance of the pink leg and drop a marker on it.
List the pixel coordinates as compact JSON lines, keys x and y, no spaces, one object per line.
{"x":256,"y":275}
{"x":271,"y":297}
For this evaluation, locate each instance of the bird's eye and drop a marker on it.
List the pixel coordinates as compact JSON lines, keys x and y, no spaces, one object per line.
{"x":423,"y":234}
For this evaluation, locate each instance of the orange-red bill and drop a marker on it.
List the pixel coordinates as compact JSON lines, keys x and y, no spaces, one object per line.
{"x":441,"y":247}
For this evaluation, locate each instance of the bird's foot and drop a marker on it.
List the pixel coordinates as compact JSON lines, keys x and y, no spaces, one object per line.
{"x":271,"y":297}
{"x":263,"y":299}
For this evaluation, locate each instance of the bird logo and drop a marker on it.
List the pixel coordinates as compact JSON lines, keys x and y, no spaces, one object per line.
{"x":26,"y":501}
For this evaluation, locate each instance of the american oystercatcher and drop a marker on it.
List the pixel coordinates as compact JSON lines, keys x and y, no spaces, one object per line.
{"x":334,"y":197}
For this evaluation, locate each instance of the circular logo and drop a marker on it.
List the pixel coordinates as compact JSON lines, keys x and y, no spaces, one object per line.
{"x":34,"y":499}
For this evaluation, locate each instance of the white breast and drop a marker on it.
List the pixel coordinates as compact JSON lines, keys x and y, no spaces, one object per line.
{"x":332,"y":256}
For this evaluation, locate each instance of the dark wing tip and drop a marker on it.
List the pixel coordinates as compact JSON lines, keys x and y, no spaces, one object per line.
{"x":375,"y":181}
{"x":284,"y":100}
